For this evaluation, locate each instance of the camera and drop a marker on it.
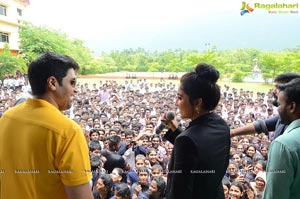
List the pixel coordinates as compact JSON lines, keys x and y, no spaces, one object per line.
{"x":133,"y":143}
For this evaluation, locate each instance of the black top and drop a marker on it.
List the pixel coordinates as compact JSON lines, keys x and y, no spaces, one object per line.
{"x":199,"y":159}
{"x":113,"y":160}
{"x":97,"y":196}
{"x":270,"y":124}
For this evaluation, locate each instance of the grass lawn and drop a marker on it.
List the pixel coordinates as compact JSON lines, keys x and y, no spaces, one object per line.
{"x":255,"y":87}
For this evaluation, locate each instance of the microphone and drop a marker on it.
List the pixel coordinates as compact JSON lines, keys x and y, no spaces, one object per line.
{"x":169,"y":117}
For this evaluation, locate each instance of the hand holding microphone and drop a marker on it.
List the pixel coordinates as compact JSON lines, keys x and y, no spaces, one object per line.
{"x":167,"y":121}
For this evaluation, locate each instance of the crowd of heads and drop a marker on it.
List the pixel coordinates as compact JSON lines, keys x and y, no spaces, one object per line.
{"x":128,"y":114}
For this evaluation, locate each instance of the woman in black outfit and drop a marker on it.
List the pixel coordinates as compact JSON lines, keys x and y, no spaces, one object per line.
{"x":201,"y":152}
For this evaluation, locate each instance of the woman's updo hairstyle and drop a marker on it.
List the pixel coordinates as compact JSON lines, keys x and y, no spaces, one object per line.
{"x":201,"y":83}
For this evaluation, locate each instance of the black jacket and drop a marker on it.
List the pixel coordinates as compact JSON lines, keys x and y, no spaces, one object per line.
{"x":113,"y":160}
{"x":199,"y":159}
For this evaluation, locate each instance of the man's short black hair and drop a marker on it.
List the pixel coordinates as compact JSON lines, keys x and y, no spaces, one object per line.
{"x":286,"y":77}
{"x":113,"y":141}
{"x":94,"y":131}
{"x":96,"y":162}
{"x":291,"y":90}
{"x":47,"y":65}
{"x":94,"y":145}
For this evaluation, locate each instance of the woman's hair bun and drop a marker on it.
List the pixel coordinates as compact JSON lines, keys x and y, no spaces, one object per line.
{"x":207,"y":72}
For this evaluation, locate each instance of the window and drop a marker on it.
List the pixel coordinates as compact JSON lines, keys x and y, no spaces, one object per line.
{"x":4,"y":37}
{"x":19,"y":11}
{"x":2,"y":10}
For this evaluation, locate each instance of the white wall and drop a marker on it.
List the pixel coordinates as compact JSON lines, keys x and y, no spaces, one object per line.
{"x":10,"y":24}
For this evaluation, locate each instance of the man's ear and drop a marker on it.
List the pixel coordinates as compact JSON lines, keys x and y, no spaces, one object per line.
{"x":291,"y":107}
{"x":294,"y":108}
{"x":52,"y":83}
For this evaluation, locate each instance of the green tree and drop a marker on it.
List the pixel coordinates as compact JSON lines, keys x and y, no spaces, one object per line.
{"x":238,"y":76}
{"x":9,"y":63}
{"x":80,"y":53}
{"x":270,"y":66}
{"x":292,"y":61}
{"x":36,"y":40}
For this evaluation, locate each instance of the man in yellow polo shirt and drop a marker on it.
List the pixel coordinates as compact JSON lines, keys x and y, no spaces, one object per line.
{"x":43,"y":154}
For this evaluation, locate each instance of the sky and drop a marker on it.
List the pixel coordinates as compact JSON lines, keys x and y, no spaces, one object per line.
{"x":107,"y":25}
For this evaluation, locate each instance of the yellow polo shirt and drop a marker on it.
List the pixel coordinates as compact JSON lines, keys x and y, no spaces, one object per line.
{"x":41,"y":150}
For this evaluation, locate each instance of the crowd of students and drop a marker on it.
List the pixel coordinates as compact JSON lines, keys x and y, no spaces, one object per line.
{"x":128,"y":153}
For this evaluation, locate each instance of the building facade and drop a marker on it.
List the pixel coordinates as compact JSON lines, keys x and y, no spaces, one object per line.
{"x":12,"y":13}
